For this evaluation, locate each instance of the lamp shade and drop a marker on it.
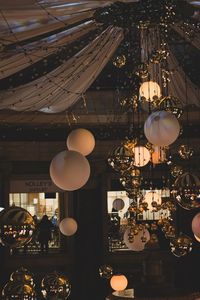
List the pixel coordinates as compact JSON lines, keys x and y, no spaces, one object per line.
{"x":69,"y":170}
{"x":150,"y":91}
{"x":141,"y":156}
{"x":118,"y":282}
{"x":196,"y":225}
{"x":81,"y":140}
{"x":161,"y":128}
{"x":68,"y":226}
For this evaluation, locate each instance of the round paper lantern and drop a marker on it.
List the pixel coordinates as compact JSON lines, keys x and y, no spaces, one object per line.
{"x":55,"y":286}
{"x":68,"y":226}
{"x":118,"y":204}
{"x":151,"y":198}
{"x":161,"y":128}
{"x":69,"y":170}
{"x":139,"y":240}
{"x":196,"y":225}
{"x":16,"y":227}
{"x":81,"y":140}
{"x":158,"y":156}
{"x":150,"y":91}
{"x":141,"y":156}
{"x":118,"y":282}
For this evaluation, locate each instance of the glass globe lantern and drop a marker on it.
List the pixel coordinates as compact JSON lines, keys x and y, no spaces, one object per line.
{"x":187,"y":191}
{"x":121,"y":159}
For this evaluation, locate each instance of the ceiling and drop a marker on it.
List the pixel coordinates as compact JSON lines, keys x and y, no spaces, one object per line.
{"x":65,"y":32}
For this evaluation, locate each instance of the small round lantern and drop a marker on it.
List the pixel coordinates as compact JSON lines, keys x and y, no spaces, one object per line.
{"x":118,"y":282}
{"x":68,"y":226}
{"x":150,"y":91}
{"x":161,"y":128}
{"x":69,"y":170}
{"x":81,"y":140}
{"x":118,"y":204}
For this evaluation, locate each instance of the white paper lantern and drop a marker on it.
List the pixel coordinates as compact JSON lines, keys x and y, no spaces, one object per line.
{"x":118,"y":204}
{"x":151,"y":197}
{"x":81,"y":140}
{"x":138,"y":244}
{"x":161,"y":128}
{"x":159,"y":155}
{"x":118,"y":282}
{"x":68,"y":226}
{"x":196,"y":225}
{"x":141,"y":156}
{"x":150,"y":91}
{"x":69,"y":170}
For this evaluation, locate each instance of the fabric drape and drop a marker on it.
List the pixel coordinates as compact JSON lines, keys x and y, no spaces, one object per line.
{"x":36,"y":51}
{"x":62,"y":87}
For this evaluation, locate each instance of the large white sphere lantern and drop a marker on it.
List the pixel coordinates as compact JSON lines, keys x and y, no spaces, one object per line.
{"x":69,"y":170}
{"x":81,"y":140}
{"x":138,"y":243}
{"x":152,"y":198}
{"x":118,"y":282}
{"x":68,"y":226}
{"x":150,"y":91}
{"x":196,"y":225}
{"x":141,"y":156}
{"x":161,"y":128}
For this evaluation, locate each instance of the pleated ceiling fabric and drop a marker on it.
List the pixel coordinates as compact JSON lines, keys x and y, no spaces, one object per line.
{"x":64,"y":86}
{"x":37,"y":51}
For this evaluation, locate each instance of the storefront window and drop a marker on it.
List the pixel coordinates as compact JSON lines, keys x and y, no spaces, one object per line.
{"x":38,"y":205}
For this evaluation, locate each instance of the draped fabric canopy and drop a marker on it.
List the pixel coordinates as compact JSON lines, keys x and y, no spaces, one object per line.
{"x":34,"y":32}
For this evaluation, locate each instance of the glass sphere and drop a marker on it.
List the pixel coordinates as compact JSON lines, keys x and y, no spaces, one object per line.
{"x":19,"y":291}
{"x":171,"y":104}
{"x":119,"y":61}
{"x":121,"y":159}
{"x":55,"y":284}
{"x":106,"y":271}
{"x":181,"y":245}
{"x":22,"y":275}
{"x":187,"y":191}
{"x":16,"y":227}
{"x":185,"y":151}
{"x":176,"y":171}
